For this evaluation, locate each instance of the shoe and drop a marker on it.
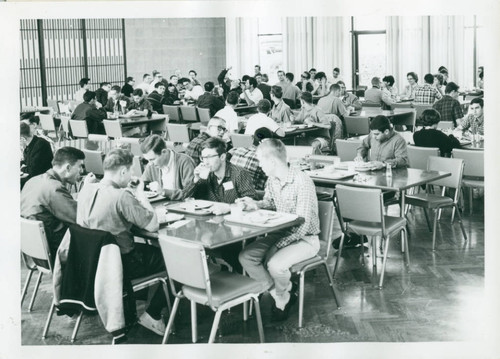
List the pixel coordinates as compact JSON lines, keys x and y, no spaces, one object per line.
{"x":156,"y":326}
{"x":278,"y":315}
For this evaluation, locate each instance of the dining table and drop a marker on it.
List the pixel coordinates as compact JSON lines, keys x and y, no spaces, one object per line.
{"x":155,"y":121}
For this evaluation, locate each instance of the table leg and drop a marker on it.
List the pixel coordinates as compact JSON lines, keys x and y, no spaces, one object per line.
{"x":245,"y":304}
{"x":402,"y":213}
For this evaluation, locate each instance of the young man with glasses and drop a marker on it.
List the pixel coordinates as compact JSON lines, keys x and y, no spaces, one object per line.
{"x":216,"y":128}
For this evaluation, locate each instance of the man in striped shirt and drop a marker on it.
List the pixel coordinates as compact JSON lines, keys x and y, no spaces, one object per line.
{"x":427,"y":94}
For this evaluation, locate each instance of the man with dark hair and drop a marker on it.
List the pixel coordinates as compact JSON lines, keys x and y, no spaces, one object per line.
{"x":333,"y":104}
{"x":448,"y":107}
{"x":156,"y":97}
{"x":291,"y":93}
{"x":281,"y":112}
{"x":305,"y":83}
{"x":313,"y":72}
{"x":387,"y":146}
{"x":192,"y":92}
{"x":144,"y":85}
{"x":139,"y":103}
{"x":444,"y":72}
{"x":35,"y":128}
{"x":157,"y":78}
{"x":263,"y":87}
{"x":427,"y":94}
{"x":173,"y":92}
{"x":101,"y":94}
{"x":281,"y":78}
{"x":374,"y":94}
{"x":167,"y":172}
{"x":114,"y":205}
{"x":128,"y":88}
{"x":336,"y":78}
{"x":92,"y":112}
{"x":37,"y":154}
{"x":474,"y":121}
{"x":347,"y":98}
{"x":321,"y":84}
{"x":84,"y":87}
{"x":117,"y":102}
{"x":216,"y":127}
{"x":194,"y":80}
{"x":430,"y":136}
{"x":228,"y":113}
{"x":257,"y":70}
{"x":211,"y":101}
{"x":228,"y":82}
{"x":262,"y":120}
{"x":250,"y":93}
{"x":389,"y":91}
{"x":46,"y":197}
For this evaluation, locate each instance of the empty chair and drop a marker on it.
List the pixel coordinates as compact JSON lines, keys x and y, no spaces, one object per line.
{"x":172,"y":112}
{"x":63,"y":108}
{"x":187,"y":265}
{"x":405,"y":119}
{"x":79,"y":128}
{"x":178,"y":132}
{"x":53,"y":105}
{"x":34,"y":246}
{"x":133,"y":142}
{"x":357,"y":125}
{"x":438,"y":201}
{"x":241,"y":140}
{"x":204,"y":115}
{"x":347,"y":149}
{"x":445,"y":125}
{"x":418,"y":156}
{"x":326,"y":218}
{"x":113,"y":128}
{"x":298,"y":152}
{"x":93,"y":162}
{"x":189,"y":114}
{"x":65,"y":125}
{"x":361,"y":211}
{"x":473,"y":176}
{"x":47,"y":123}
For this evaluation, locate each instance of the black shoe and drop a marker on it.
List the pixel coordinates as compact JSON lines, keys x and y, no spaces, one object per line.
{"x":336,"y":242}
{"x":279,"y":315}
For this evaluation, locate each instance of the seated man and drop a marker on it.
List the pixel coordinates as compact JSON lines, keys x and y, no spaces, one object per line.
{"x":268,"y":260}
{"x":430,"y":136}
{"x":333,"y":104}
{"x":208,"y":100}
{"x":128,"y":87}
{"x":427,"y":94}
{"x":262,"y":120}
{"x":250,"y":93}
{"x":192,"y":92}
{"x":312,"y":115}
{"x":216,"y":127}
{"x":387,"y":146}
{"x":281,"y":112}
{"x":84,"y":87}
{"x":290,"y":91}
{"x":216,"y":179}
{"x":228,"y":113}
{"x":321,"y":85}
{"x":140,"y":105}
{"x":474,"y":121}
{"x":347,"y":98}
{"x":156,"y":97}
{"x":167,"y":172}
{"x":37,"y":154}
{"x":373,"y":96}
{"x":114,"y":205}
{"x":92,"y":112}
{"x":117,"y":102}
{"x":448,"y":107}
{"x":263,"y":87}
{"x":101,"y":94}
{"x":46,"y":197}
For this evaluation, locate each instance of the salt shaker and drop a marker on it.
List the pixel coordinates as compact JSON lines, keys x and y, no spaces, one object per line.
{"x":388,"y":170}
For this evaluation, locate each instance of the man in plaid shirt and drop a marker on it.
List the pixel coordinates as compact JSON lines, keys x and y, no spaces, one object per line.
{"x":427,"y":94}
{"x":474,"y":121}
{"x":216,"y":127}
{"x":448,"y":107}
{"x":268,"y":260}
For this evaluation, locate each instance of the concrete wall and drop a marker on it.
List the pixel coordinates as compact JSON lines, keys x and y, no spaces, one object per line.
{"x":181,"y":43}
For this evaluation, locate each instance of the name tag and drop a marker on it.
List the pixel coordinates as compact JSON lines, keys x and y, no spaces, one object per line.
{"x":228,"y":185}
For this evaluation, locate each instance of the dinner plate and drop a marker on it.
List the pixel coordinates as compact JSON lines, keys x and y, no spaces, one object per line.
{"x":171,"y":217}
{"x":150,"y":194}
{"x":261,"y":217}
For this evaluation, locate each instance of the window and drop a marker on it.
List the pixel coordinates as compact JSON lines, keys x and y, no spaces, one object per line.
{"x":270,"y":47}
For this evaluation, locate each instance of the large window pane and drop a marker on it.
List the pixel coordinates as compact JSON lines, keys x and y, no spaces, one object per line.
{"x":271,"y":55}
{"x":371,"y":57}
{"x":369,"y":23}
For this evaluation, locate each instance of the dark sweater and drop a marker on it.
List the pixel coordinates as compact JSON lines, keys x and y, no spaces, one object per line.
{"x":436,"y":138}
{"x":37,"y":158}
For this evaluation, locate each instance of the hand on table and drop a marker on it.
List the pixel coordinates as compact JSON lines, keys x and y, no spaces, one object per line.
{"x":378,"y":164}
{"x":358,"y":158}
{"x":220,"y":208}
{"x":248,"y":203}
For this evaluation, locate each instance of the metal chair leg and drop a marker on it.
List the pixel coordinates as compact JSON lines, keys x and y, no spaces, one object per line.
{"x":26,"y":285}
{"x":49,"y":319}
{"x":384,"y":262}
{"x":471,"y":197}
{"x":77,"y":326}
{"x":436,"y":215}
{"x":330,"y":279}
{"x":301,"y":299}
{"x":427,"y":220}
{"x":194,"y":324}
{"x":461,"y":223}
{"x":35,"y":291}
{"x":259,"y":319}
{"x":339,"y":254}
{"x":171,"y":320}
{"x":407,"y":251}
{"x":215,"y":326}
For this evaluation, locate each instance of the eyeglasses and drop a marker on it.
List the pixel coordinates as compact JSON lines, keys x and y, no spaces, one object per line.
{"x":220,"y":128}
{"x":203,"y":158}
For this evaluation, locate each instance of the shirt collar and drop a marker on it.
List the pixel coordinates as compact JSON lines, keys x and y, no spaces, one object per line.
{"x":108,"y":182}
{"x":53,"y":174}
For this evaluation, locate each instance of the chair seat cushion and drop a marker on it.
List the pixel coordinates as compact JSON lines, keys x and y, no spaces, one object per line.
{"x":140,"y":280}
{"x":428,"y":200}
{"x":374,"y":229}
{"x":225,"y":287}
{"x":314,"y":260}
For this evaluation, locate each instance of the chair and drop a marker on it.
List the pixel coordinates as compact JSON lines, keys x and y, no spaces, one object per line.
{"x":47,"y":123}
{"x":53,"y":104}
{"x":418,"y":156}
{"x":65,"y":125}
{"x":187,"y":264}
{"x":357,"y":125}
{"x":34,"y":245}
{"x":445,"y":125}
{"x":241,"y":140}
{"x":435,"y":201}
{"x":93,"y":162}
{"x":203,"y":115}
{"x":419,"y":108}
{"x":172,"y":112}
{"x":347,"y":149}
{"x":73,"y":104}
{"x":298,"y":152}
{"x":135,"y":144}
{"x":473,"y":176}
{"x":326,"y":218}
{"x":79,"y":128}
{"x":361,"y":211}
{"x":178,"y":132}
{"x":405,"y":119}
{"x":113,"y":128}
{"x":189,"y":114}
{"x":360,"y":90}
{"x":63,"y":108}
{"x":136,"y":168}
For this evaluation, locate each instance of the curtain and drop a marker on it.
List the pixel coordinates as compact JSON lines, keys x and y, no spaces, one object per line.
{"x":242,"y":45}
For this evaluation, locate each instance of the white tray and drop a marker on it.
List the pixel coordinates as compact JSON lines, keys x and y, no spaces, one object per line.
{"x":329,"y":174}
{"x":253,"y":218}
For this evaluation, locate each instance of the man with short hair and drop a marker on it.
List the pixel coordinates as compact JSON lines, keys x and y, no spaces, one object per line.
{"x":347,"y":98}
{"x":157,"y":78}
{"x":312,"y":115}
{"x":139,"y":103}
{"x":92,"y":112}
{"x":448,"y":107}
{"x":336,"y":78}
{"x":167,"y":172}
{"x":305,"y":83}
{"x":228,"y":82}
{"x":115,"y":205}
{"x":250,"y":93}
{"x":427,"y":94}
{"x":117,"y":102}
{"x":46,"y":198}
{"x":101,"y":94}
{"x":281,"y":79}
{"x":174,"y":92}
{"x":333,"y":104}
{"x":84,"y":87}
{"x":37,"y":154}
{"x":144,"y":85}
{"x":216,"y":127}
{"x":321,"y":84}
{"x":228,"y":113}
{"x":268,"y":260}
{"x":208,"y":100}
{"x":156,"y":97}
{"x":256,"y":70}
{"x":290,"y":91}
{"x":194,"y":80}
{"x":374,"y":95}
{"x":386,"y":145}
{"x":192,"y":92}
{"x":263,"y":87}
{"x":262,"y":120}
{"x":474,"y":121}
{"x":281,"y":112}
{"x":128,"y":88}
{"x":313,"y":72}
